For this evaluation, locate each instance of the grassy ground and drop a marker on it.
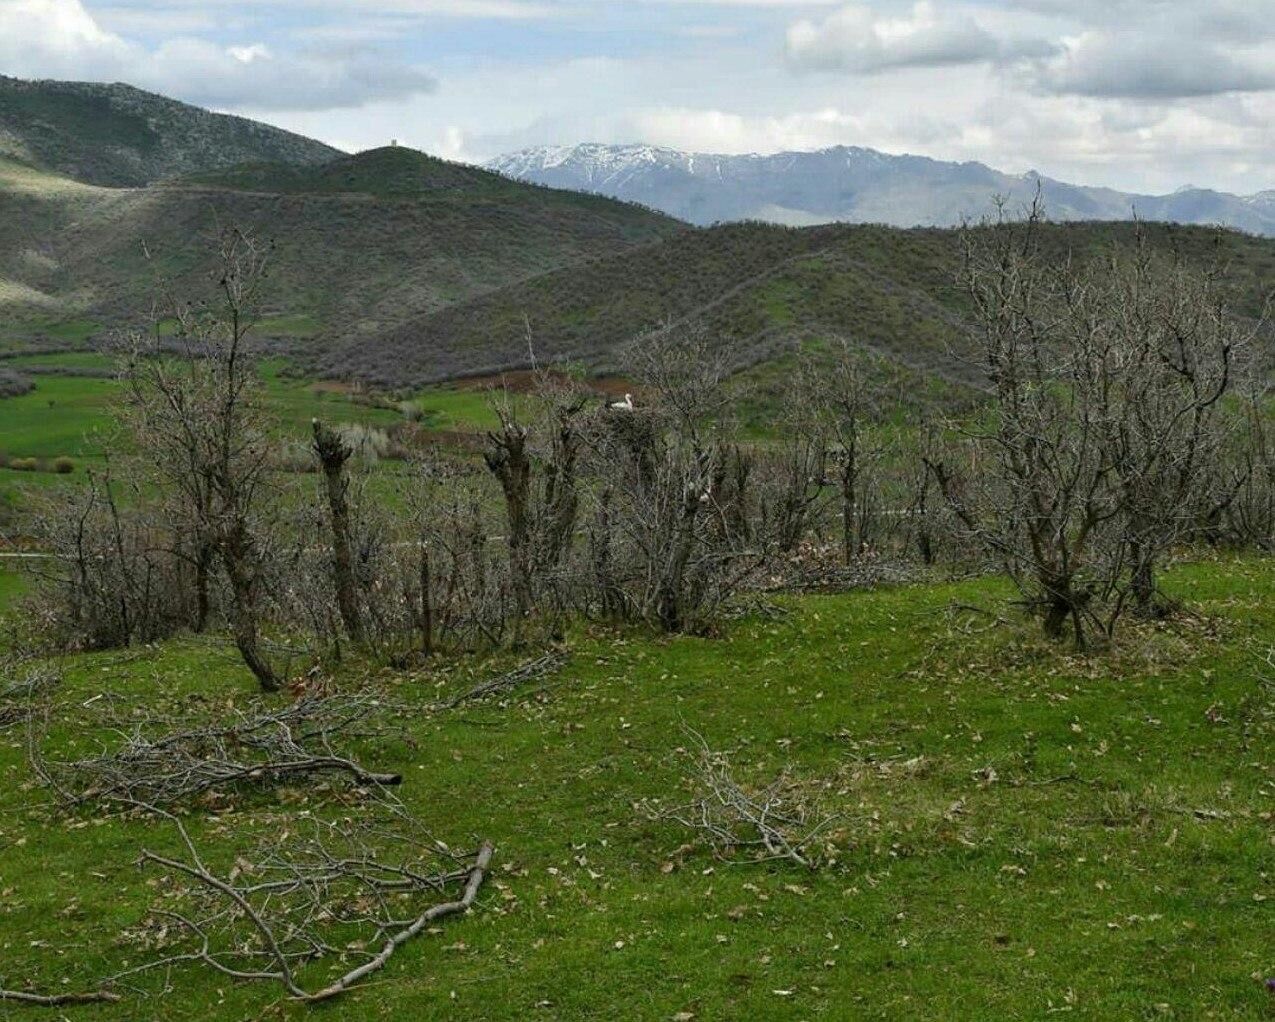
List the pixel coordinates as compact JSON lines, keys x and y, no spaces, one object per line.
{"x":72,"y":415}
{"x":1021,"y":833}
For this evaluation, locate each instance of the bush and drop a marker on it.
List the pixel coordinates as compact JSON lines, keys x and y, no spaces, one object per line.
{"x":24,"y":464}
{"x":14,"y":383}
{"x":63,"y":465}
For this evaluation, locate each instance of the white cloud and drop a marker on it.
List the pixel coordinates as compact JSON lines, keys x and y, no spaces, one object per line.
{"x":247,"y":54}
{"x":716,"y":131}
{"x":61,"y":39}
{"x":856,"y":39}
{"x":49,"y":38}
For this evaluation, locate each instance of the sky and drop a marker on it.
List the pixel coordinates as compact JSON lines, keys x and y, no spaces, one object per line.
{"x":1141,"y":95}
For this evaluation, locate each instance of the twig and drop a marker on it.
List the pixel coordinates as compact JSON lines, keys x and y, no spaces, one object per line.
{"x":536,"y":668}
{"x":55,"y":1000}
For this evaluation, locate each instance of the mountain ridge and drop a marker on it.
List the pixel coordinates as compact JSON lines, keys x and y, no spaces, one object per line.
{"x":117,"y":135}
{"x":853,"y":184}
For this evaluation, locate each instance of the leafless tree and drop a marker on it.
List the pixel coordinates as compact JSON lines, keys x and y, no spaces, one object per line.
{"x":1046,"y":492}
{"x":796,"y":465}
{"x":200,"y":423}
{"x":1173,"y":353}
{"x":114,"y":576}
{"x":670,"y":484}
{"x":842,"y":394}
{"x":1107,"y":375}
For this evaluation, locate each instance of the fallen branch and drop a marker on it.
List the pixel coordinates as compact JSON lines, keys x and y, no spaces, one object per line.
{"x":264,"y":920}
{"x":269,"y":747}
{"x":476,"y":876}
{"x":775,"y":820}
{"x":57,"y":1000}
{"x":524,"y":672}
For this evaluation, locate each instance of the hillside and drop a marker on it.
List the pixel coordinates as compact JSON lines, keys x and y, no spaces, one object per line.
{"x":120,"y":136}
{"x":765,"y":290}
{"x":360,"y":244}
{"x":854,"y":185}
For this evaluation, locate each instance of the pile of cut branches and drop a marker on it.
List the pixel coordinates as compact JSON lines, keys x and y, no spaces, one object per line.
{"x":777,"y":821}
{"x":159,"y":762}
{"x":18,"y":697}
{"x":344,"y":892}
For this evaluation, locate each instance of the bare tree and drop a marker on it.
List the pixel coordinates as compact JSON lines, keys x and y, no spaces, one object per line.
{"x":843,"y":401}
{"x":201,"y":424}
{"x":666,"y":539}
{"x":1046,"y":492}
{"x":1107,"y":376}
{"x":116,"y":576}
{"x":1175,"y":341}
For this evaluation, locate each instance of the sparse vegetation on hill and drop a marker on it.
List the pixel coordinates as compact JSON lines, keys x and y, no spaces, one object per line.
{"x":120,"y":136}
{"x":347,"y":262}
{"x":765,"y":291}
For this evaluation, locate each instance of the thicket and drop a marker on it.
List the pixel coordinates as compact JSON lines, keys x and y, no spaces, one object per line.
{"x":1130,"y":420}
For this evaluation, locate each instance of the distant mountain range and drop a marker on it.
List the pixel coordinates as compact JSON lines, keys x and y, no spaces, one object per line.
{"x":853,"y":185}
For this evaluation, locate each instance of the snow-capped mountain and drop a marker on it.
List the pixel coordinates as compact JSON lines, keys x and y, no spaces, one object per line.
{"x":850,"y":183}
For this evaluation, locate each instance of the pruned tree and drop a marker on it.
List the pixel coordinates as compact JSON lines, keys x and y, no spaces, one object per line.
{"x":508,"y":458}
{"x":333,"y":454}
{"x":667,"y":538}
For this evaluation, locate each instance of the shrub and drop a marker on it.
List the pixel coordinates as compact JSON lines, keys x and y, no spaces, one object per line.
{"x":14,"y":383}
{"x":63,"y":465}
{"x":23,"y":464}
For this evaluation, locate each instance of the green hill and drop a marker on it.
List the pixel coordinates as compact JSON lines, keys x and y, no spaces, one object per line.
{"x":121,"y":136}
{"x":765,"y":290}
{"x":360,"y":246}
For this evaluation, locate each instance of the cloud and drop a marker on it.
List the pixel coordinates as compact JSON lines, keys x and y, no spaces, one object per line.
{"x":855,"y":39}
{"x":717,"y":131}
{"x":49,"y":38}
{"x":1152,"y":66}
{"x":61,"y":39}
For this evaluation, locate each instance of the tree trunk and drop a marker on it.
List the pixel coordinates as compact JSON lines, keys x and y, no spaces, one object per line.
{"x":237,"y":555}
{"x":427,"y":607}
{"x":849,"y":484}
{"x":508,"y":461}
{"x":203,"y":580}
{"x":333,"y":453}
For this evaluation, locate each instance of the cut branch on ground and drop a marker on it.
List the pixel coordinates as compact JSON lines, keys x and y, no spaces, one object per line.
{"x":774,"y":822}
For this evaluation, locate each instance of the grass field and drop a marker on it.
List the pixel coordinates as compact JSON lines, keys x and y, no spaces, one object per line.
{"x":1021,"y":833}
{"x":73,"y":415}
